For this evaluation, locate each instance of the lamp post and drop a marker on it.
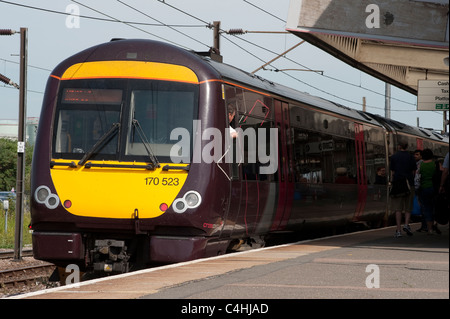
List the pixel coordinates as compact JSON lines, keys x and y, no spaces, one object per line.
{"x":21,"y":143}
{"x":21,"y":139}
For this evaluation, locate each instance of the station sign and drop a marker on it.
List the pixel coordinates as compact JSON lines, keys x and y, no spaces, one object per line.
{"x":433,"y":95}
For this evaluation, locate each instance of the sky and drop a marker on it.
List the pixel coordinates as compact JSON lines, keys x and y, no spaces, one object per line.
{"x":52,"y":37}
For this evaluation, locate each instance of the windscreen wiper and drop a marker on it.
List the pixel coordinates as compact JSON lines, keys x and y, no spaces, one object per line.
{"x":100,"y":143}
{"x":144,"y":139}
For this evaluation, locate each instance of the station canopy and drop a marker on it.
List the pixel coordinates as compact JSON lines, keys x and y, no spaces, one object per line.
{"x":397,"y":41}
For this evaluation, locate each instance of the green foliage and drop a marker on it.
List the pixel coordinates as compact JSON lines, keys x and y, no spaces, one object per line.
{"x":7,"y":238}
{"x":8,"y":164}
{"x":8,"y":175}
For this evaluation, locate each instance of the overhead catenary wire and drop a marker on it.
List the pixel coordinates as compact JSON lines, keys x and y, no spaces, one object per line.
{"x":269,"y":13}
{"x":278,"y":56}
{"x":315,"y":71}
{"x":205,"y":23}
{"x":264,"y":48}
{"x":332,"y":78}
{"x":103,"y":19}
{"x":128,"y":24}
{"x":184,"y":12}
{"x":162,"y":23}
{"x":265,"y":11}
{"x":30,"y":66}
{"x":240,"y":31}
{"x":307,"y":84}
{"x":28,"y":90}
{"x":232,"y":31}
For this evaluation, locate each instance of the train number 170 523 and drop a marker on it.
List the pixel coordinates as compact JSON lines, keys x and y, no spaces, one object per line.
{"x":165,"y":181}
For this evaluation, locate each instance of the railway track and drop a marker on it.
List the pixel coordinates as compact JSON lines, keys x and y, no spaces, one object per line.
{"x":23,"y":276}
{"x":10,"y":253}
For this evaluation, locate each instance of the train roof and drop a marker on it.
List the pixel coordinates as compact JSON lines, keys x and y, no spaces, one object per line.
{"x":230,"y":72}
{"x":413,"y":130}
{"x":249,"y":79}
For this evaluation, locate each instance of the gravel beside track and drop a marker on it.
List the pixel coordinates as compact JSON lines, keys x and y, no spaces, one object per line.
{"x":20,"y":287}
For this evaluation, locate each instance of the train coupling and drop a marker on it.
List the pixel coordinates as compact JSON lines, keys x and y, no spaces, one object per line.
{"x":110,"y":256}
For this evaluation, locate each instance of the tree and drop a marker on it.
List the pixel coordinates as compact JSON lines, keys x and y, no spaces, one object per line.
{"x":8,"y":164}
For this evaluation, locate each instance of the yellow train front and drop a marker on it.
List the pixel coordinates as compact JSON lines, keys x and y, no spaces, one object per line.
{"x":113,"y":181}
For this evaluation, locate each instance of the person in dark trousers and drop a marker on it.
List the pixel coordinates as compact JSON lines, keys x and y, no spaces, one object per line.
{"x":426,"y":192}
{"x":403,"y":166}
{"x":440,"y":201}
{"x":444,"y":176}
{"x":418,"y":158}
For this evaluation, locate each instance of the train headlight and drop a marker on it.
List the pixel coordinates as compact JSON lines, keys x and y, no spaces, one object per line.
{"x":43,"y":195}
{"x":52,"y":201}
{"x":179,"y":206}
{"x":191,"y":199}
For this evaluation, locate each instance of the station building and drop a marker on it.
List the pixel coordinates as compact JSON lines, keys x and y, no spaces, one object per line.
{"x":10,"y":128}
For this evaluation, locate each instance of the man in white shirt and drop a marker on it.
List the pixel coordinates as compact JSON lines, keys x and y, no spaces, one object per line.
{"x":231,"y":114}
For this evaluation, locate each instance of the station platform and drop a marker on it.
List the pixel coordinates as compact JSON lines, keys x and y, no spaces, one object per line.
{"x":363,"y":265}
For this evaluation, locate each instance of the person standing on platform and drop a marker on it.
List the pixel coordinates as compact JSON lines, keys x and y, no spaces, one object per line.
{"x":416,"y":205}
{"x":403,"y":166}
{"x":426,"y":192}
{"x":442,"y":203}
{"x":444,"y":176}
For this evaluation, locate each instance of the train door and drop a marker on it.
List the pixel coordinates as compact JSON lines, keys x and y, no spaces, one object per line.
{"x":236,"y":200}
{"x":253,"y":115}
{"x":360,"y":148}
{"x":285,"y":166}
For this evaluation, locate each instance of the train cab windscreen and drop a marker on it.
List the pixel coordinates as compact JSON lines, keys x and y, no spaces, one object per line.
{"x":123,"y":120}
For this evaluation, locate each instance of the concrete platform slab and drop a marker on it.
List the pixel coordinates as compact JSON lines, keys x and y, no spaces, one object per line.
{"x":363,"y":265}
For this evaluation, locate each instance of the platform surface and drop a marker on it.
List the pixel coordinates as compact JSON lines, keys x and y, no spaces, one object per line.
{"x":364,"y":265}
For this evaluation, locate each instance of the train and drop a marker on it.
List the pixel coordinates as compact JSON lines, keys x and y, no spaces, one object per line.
{"x":134,"y":164}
